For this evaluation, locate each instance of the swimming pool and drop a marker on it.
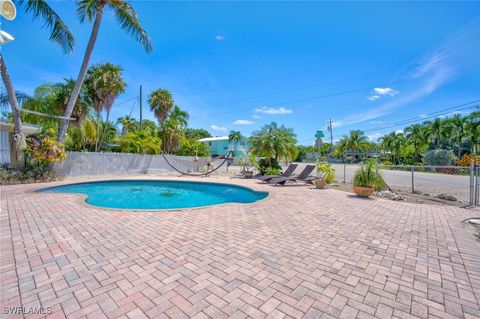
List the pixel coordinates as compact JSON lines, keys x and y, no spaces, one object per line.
{"x":158,"y":194}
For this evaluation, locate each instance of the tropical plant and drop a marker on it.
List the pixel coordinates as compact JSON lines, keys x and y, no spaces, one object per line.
{"x":472,"y":129}
{"x":161,"y":103}
{"x":439,"y":157}
{"x":126,"y":121}
{"x":457,"y":124}
{"x":196,"y":134}
{"x":45,"y":150}
{"x":93,"y":10}
{"x":140,"y":142}
{"x":325,"y":171}
{"x":368,"y":176}
{"x":192,"y":148}
{"x":416,"y":134}
{"x":105,"y":83}
{"x":435,"y":130}
{"x":273,"y":142}
{"x":235,"y":137}
{"x":264,"y":164}
{"x":60,"y":34}
{"x":173,"y":130}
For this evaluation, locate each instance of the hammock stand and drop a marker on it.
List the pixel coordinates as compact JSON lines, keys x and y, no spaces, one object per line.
{"x":197,"y":174}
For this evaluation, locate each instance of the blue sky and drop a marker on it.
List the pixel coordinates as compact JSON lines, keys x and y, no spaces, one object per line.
{"x":237,"y":66}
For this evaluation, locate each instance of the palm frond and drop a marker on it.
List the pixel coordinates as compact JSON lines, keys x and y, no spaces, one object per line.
{"x":21,"y":98}
{"x":59,"y":32}
{"x":86,"y":9}
{"x":128,"y":19}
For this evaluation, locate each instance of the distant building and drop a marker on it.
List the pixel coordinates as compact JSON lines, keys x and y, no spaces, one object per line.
{"x":219,"y":145}
{"x":6,"y":131}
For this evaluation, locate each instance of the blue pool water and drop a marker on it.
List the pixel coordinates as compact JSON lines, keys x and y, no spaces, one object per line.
{"x":156,"y":194}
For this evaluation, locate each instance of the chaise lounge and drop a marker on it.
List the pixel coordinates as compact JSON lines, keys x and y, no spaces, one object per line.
{"x":288,"y":172}
{"x":304,"y":176}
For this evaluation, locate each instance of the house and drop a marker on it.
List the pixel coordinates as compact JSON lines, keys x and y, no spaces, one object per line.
{"x":6,"y":132}
{"x":219,"y":145}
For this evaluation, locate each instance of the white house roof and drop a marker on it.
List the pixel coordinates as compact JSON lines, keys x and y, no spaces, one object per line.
{"x":215,"y":138}
{"x":27,"y":128}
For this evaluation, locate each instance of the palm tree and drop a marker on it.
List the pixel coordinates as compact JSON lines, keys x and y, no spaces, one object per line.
{"x":472,"y":129}
{"x":60,"y":34}
{"x":415,"y":134}
{"x":457,"y":124}
{"x":394,"y":142}
{"x":106,"y":84}
{"x":63,"y":91}
{"x":234,"y":137}
{"x":93,"y":10}
{"x":140,"y":142}
{"x":173,"y":129}
{"x":357,"y":141}
{"x":435,"y":130}
{"x":273,"y":142}
{"x":161,"y":103}
{"x":126,"y":121}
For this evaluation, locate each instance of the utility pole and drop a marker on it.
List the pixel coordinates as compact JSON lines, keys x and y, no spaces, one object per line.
{"x":330,"y":128}
{"x":141,"y":115}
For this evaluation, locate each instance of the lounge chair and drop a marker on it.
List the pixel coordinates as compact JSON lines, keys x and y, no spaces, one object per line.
{"x":304,"y":176}
{"x":288,"y":172}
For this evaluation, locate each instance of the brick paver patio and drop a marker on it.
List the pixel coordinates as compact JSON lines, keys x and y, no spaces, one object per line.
{"x":300,"y":253}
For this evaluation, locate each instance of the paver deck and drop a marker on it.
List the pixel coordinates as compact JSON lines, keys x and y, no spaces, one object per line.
{"x":300,"y":253}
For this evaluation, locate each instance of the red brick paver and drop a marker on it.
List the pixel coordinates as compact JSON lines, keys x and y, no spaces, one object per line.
{"x":300,"y":253}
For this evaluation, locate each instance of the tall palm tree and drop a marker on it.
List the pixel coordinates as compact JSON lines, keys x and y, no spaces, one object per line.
{"x":161,"y":103}
{"x":394,"y":142}
{"x":173,"y":129}
{"x":60,"y":34}
{"x":457,"y":124}
{"x":472,"y":129}
{"x":63,"y":91}
{"x":415,"y":134}
{"x":357,"y":141}
{"x":272,"y":141}
{"x":436,"y":130}
{"x":126,"y":121}
{"x":106,"y":84}
{"x":93,"y":10}
{"x":235,"y":137}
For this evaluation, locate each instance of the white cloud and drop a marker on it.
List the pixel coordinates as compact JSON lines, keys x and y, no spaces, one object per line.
{"x":373,"y":97}
{"x":273,"y":110}
{"x":218,"y":128}
{"x":255,"y":116}
{"x":423,"y":115}
{"x":385,"y":91}
{"x":243,"y":122}
{"x":377,"y":122}
{"x":219,"y":37}
{"x":375,"y":136}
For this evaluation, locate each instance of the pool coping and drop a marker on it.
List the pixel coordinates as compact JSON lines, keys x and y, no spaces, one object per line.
{"x":82,"y":198}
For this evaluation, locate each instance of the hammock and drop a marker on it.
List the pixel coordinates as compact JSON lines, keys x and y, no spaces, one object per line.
{"x":198,"y":174}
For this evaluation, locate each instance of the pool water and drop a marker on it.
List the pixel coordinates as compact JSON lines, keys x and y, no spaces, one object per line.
{"x":156,"y":194}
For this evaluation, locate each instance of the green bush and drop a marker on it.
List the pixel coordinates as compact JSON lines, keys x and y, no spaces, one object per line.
{"x":326,"y":171}
{"x":439,"y":158}
{"x":367,"y":176}
{"x":34,"y":171}
{"x":265,"y":163}
{"x":273,"y":171}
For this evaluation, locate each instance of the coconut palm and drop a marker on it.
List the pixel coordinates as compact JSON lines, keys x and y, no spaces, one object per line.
{"x":92,"y":10}
{"x":273,"y":142}
{"x":435,"y":130}
{"x":60,"y":34}
{"x":173,"y":130}
{"x":126,"y":121}
{"x":416,"y":135}
{"x":457,"y":125}
{"x":394,"y":142}
{"x":472,"y":129}
{"x":235,"y":137}
{"x":106,"y":83}
{"x":357,"y":141}
{"x":161,"y":103}
{"x":62,"y":93}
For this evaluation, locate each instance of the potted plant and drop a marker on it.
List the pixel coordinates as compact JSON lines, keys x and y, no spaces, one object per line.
{"x":248,"y":166}
{"x":366,"y":179}
{"x":326,"y":174}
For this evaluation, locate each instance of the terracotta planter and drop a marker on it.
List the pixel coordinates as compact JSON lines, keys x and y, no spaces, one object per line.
{"x":363,"y":191}
{"x":320,"y":183}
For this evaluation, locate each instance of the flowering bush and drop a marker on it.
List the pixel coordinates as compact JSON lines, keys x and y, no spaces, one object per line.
{"x":468,"y":160}
{"x":46,"y":150}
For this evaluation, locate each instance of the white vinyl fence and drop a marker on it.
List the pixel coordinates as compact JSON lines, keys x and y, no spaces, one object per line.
{"x":86,"y":163}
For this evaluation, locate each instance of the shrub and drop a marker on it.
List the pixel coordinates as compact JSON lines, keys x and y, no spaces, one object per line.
{"x":468,"y":160}
{"x":326,"y":171}
{"x":367,"y":176}
{"x":32,"y":172}
{"x":439,"y":158}
{"x":45,"y":150}
{"x":265,"y":163}
{"x":387,"y":162}
{"x":272,"y":171}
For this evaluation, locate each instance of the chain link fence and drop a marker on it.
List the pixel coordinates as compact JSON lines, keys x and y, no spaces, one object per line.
{"x":457,"y":183}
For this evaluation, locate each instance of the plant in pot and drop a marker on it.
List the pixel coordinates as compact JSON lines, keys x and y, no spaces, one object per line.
{"x":248,"y":166}
{"x":366,"y":179}
{"x":326,"y":174}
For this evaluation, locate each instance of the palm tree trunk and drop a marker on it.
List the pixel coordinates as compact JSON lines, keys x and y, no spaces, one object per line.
{"x":104,"y":131}
{"x":459,"y":151}
{"x":18,"y":144}
{"x":97,"y":130}
{"x":81,"y":75}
